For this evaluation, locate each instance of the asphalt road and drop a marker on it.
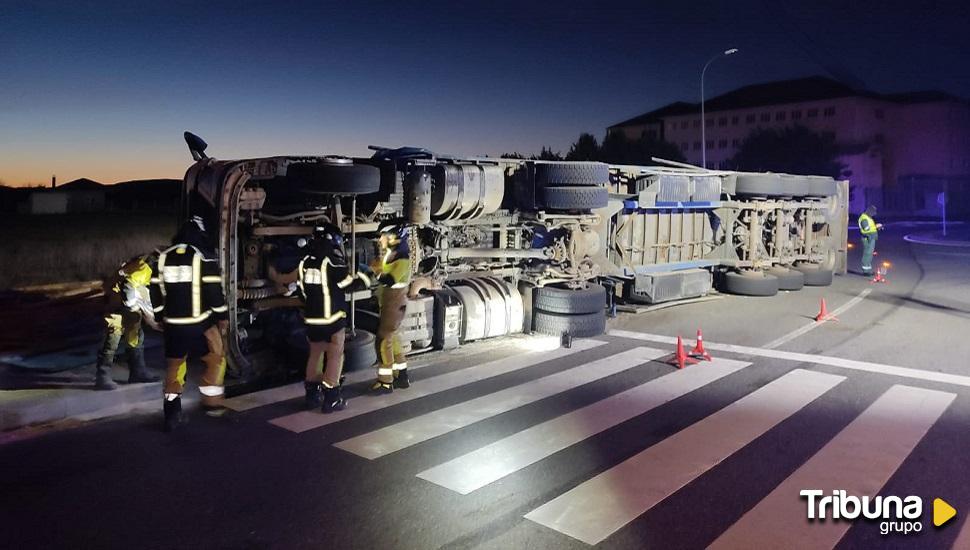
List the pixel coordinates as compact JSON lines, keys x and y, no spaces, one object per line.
{"x":715,"y":453}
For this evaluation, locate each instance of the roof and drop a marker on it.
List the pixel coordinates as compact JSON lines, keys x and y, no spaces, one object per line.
{"x":82,"y":184}
{"x":812,"y":88}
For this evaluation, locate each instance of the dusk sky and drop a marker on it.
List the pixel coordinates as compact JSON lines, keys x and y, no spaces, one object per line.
{"x":104,"y":90}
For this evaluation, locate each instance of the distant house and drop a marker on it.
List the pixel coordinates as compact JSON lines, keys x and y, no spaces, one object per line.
{"x":902,"y":150}
{"x":81,"y":195}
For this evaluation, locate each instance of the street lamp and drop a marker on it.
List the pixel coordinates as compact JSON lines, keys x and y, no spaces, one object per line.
{"x":725,"y":53}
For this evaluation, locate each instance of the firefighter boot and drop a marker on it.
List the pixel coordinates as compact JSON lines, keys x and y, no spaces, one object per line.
{"x":313,"y":395}
{"x":401,"y":379}
{"x":173,"y":413}
{"x":332,"y":401}
{"x":382,"y":388}
{"x":102,"y":377}
{"x":138,"y":372}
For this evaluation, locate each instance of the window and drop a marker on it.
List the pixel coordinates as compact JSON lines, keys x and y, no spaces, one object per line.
{"x":710,"y":123}
{"x":829,"y":135}
{"x":683,"y":146}
{"x":780,"y":115}
{"x":722,"y":121}
{"x":829,"y":111}
{"x":735,"y":143}
{"x":880,"y":114}
{"x":734,"y":120}
{"x":697,"y":124}
{"x":697,"y":146}
{"x":722,"y":144}
{"x":749,"y":119}
{"x":812,"y":113}
{"x":796,"y":115}
{"x":765,"y":117}
{"x":710,"y":144}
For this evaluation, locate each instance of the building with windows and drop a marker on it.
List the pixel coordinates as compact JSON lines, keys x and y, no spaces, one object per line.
{"x":901,"y":150}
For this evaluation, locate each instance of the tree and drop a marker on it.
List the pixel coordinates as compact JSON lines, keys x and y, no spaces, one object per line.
{"x":618,"y":149}
{"x":793,"y":150}
{"x":547,"y":154}
{"x":585,"y":148}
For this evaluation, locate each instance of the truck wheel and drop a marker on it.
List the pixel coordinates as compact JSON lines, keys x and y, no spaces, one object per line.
{"x":572,"y":173}
{"x":574,"y":198}
{"x":788,"y":279}
{"x":578,"y":326}
{"x":761,"y":185}
{"x":815,"y":274}
{"x":796,"y":186}
{"x":360,"y":351}
{"x":822,"y":186}
{"x":334,"y":178}
{"x":750,"y":283}
{"x":591,"y":299}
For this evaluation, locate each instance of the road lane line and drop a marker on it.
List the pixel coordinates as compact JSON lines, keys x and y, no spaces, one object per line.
{"x":509,"y":455}
{"x":416,"y":430}
{"x":851,"y":364}
{"x":308,"y":420}
{"x":859,"y":460}
{"x":599,"y":507}
{"x":814,"y":324}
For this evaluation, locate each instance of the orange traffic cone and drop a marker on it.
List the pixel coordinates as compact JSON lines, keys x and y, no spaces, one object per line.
{"x":699,"y":352}
{"x":823,"y":314}
{"x":680,"y":358}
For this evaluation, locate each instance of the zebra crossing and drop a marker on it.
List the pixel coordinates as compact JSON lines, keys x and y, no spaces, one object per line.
{"x":861,"y":458}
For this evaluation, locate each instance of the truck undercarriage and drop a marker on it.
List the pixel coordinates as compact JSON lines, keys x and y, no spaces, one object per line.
{"x":500,"y":246}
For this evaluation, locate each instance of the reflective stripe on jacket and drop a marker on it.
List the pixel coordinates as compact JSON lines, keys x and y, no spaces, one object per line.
{"x":323,"y":287}
{"x":867,"y":226}
{"x":187,"y":287}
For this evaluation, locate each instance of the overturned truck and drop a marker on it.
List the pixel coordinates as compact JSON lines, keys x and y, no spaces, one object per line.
{"x":502,"y":246}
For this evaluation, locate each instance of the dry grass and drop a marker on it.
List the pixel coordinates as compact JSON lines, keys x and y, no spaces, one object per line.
{"x":37,"y":250}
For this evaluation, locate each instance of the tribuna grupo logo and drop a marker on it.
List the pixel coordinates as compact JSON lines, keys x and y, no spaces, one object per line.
{"x":895,"y":514}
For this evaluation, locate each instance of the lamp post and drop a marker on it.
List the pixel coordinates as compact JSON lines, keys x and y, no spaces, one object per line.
{"x":725,"y":53}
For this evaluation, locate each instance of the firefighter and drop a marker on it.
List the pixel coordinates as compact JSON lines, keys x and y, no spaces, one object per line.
{"x":870,"y":232}
{"x":393,"y":272}
{"x":324,"y":279}
{"x":189,"y":302}
{"x":126,"y":304}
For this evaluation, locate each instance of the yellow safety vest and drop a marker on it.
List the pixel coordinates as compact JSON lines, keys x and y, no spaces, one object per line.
{"x":867,"y":226}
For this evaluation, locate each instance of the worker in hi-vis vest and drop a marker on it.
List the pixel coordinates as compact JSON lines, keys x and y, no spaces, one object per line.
{"x":393,"y":273}
{"x":324,"y":281}
{"x":188,"y":300}
{"x":127,"y":304}
{"x":870,"y":231}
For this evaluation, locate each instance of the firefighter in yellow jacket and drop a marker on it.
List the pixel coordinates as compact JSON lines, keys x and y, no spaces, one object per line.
{"x":126,"y":304}
{"x":189,"y":302}
{"x":870,"y":232}
{"x":324,"y":281}
{"x":393,"y":273}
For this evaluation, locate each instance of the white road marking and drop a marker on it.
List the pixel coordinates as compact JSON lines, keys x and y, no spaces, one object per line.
{"x":859,"y":460}
{"x":599,"y":507}
{"x":399,"y":436}
{"x":851,"y":364}
{"x":814,"y":324}
{"x":307,"y":420}
{"x":253,"y":400}
{"x":507,"y":456}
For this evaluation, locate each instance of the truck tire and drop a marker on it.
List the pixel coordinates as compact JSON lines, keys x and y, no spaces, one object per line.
{"x":822,"y":186}
{"x":574,"y":198}
{"x":333,"y":178}
{"x":572,"y":173}
{"x":749,"y":283}
{"x":578,"y":326}
{"x":360,"y":351}
{"x":796,"y":186}
{"x":815,"y":274}
{"x":788,"y":279}
{"x":591,"y":299}
{"x":760,"y":185}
